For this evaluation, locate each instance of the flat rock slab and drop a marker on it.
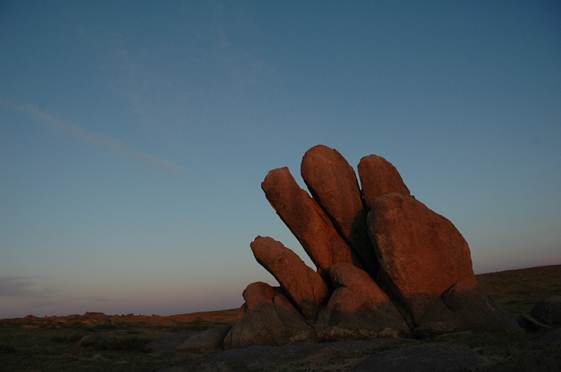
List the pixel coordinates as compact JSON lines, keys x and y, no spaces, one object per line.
{"x":211,"y":339}
{"x":169,"y":342}
{"x":436,"y":357}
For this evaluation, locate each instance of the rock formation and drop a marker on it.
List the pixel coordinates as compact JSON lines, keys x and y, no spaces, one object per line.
{"x":387,"y":265}
{"x":305,"y":218}
{"x":304,"y":286}
{"x":422,"y":253}
{"x":332,"y":182}
{"x":357,"y":306}
{"x":379,"y":177}
{"x":268,"y":318}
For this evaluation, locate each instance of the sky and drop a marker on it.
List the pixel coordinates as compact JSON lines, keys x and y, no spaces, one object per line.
{"x":134,"y":135}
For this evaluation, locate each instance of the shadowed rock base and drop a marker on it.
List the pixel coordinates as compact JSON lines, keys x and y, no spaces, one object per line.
{"x":268,"y":319}
{"x":357,"y":307}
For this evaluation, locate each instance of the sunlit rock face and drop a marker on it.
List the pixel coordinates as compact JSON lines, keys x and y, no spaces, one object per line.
{"x":332,"y":182}
{"x":421,"y":251}
{"x":387,"y":265}
{"x":304,"y":286}
{"x":306,"y":219}
{"x":379,"y":177}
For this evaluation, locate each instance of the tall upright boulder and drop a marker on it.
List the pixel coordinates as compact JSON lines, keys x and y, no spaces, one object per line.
{"x":379,"y":177}
{"x":306,"y":219}
{"x":268,"y":318}
{"x":422,"y":253}
{"x":333,"y":184}
{"x":304,"y":286}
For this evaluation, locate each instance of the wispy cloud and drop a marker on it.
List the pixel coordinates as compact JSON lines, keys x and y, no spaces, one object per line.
{"x":103,"y":142}
{"x":17,"y":286}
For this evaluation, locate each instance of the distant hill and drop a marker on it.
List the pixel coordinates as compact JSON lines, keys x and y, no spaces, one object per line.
{"x":518,"y":290}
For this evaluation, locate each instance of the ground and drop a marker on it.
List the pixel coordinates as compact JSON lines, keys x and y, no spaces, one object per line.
{"x":98,"y":342}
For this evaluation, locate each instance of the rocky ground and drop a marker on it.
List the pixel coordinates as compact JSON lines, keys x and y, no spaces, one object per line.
{"x":99,"y":342}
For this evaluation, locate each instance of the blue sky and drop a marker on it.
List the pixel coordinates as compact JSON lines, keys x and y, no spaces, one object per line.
{"x":134,"y":135}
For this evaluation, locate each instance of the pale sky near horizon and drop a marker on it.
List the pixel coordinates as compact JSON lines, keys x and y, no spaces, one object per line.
{"x":134,"y":135}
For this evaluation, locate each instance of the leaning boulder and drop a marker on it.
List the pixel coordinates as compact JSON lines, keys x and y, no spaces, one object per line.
{"x":305,"y":218}
{"x":421,"y":252}
{"x":333,"y":184}
{"x":358,"y":307}
{"x":303,"y":285}
{"x":379,"y":177}
{"x":268,"y":318}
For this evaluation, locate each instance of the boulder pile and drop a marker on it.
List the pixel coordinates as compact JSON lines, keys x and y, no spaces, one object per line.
{"x":386,"y":264}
